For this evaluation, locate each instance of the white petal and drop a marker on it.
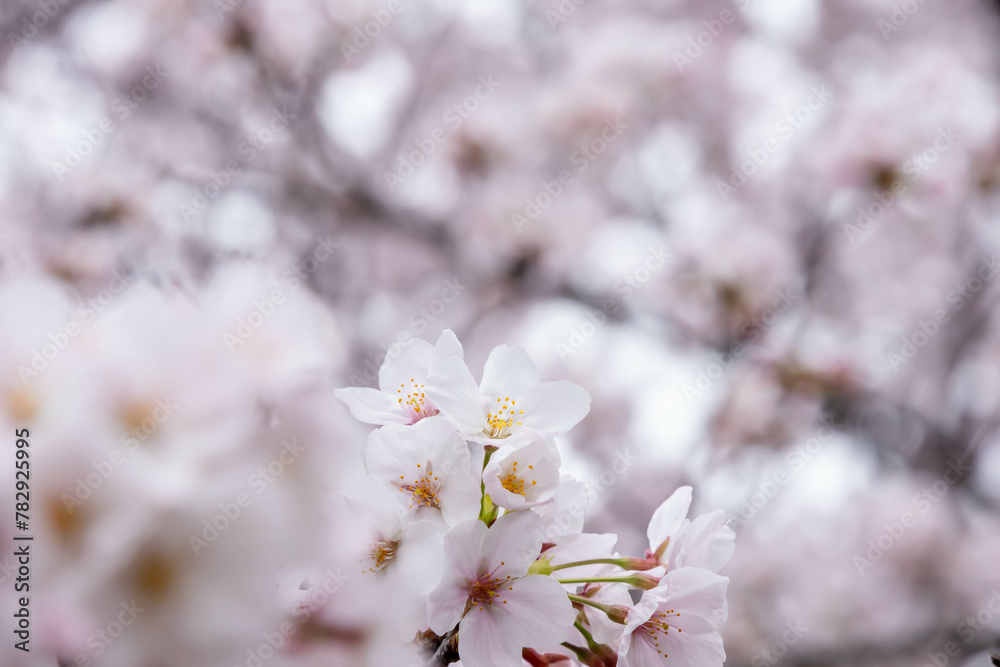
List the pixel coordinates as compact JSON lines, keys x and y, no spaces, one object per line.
{"x":447,"y":346}
{"x":512,"y":544}
{"x":566,"y":513}
{"x":640,"y":653}
{"x":484,"y":642}
{"x":509,"y":373}
{"x":446,"y":604}
{"x":699,"y":596}
{"x":463,"y":548}
{"x":540,"y":610}
{"x":420,"y":555}
{"x":555,"y":407}
{"x":371,"y":406}
{"x":412,"y":365}
{"x":455,"y":394}
{"x":394,"y":451}
{"x":668,"y":517}
{"x":706,"y":542}
{"x":459,"y":498}
{"x":693,"y":650}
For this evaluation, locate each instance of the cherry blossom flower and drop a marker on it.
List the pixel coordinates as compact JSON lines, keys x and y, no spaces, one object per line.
{"x":487,"y":590}
{"x":677,"y":622}
{"x":402,"y":394}
{"x":509,"y":399}
{"x":705,"y":542}
{"x":524,"y":475}
{"x":429,"y":464}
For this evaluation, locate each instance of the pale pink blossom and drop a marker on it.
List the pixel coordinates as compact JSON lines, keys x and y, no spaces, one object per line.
{"x":428,"y":467}
{"x":510,"y":398}
{"x":402,"y":396}
{"x":677,"y":622}
{"x":486,"y":589}
{"x":705,"y":542}
{"x":525,"y":474}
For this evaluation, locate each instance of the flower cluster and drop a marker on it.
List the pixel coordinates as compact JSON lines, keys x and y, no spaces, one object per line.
{"x":477,"y":539}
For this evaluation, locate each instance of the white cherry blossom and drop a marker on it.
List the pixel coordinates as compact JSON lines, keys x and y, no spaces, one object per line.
{"x":510,"y":398}
{"x":705,"y":542}
{"x":487,"y":590}
{"x":523,"y":475}
{"x":677,"y":622}
{"x":402,"y":394}
{"x":428,"y":465}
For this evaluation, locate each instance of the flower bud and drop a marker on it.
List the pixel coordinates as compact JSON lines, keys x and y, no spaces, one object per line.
{"x":639,"y":564}
{"x":618,"y":613}
{"x":644,"y":581}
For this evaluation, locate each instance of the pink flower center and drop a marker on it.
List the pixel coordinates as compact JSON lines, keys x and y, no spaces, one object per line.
{"x":486,"y":590}
{"x":382,"y":553}
{"x":416,"y":400}
{"x":657,"y":628}
{"x":423,"y":489}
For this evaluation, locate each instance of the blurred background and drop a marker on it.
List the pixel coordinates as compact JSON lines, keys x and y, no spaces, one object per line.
{"x":763,"y":234}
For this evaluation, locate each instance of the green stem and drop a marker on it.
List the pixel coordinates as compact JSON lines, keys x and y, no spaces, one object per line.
{"x":483,"y":511}
{"x":586,"y":635}
{"x":638,"y":580}
{"x":624,"y":563}
{"x":588,"y":601}
{"x":599,"y":580}
{"x":579,"y":563}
